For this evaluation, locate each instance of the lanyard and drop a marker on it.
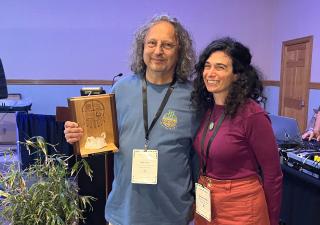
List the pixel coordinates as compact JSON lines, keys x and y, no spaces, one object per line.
{"x":145,"y":108}
{"x":206,"y":156}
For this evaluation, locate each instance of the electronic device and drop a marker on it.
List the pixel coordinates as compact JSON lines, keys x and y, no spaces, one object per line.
{"x":287,"y":133}
{"x":9,"y":105}
{"x":299,"y":154}
{"x":87,"y":91}
{"x":3,"y":83}
{"x":305,"y":161}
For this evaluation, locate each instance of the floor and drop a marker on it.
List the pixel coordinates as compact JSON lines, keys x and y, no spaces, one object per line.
{"x":8,"y":157}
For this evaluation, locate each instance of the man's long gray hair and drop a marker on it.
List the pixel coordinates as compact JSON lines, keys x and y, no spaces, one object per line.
{"x":186,"y":53}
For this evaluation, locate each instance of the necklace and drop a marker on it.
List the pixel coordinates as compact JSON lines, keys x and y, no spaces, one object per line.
{"x":211,"y":125}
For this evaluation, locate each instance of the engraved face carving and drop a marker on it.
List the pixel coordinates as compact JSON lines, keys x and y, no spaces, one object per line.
{"x":93,"y":112}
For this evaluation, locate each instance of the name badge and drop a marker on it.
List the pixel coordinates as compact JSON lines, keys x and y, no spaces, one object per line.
{"x":203,"y":202}
{"x":144,"y":166}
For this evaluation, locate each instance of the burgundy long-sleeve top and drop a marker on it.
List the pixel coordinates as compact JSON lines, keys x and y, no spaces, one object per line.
{"x":243,"y":146}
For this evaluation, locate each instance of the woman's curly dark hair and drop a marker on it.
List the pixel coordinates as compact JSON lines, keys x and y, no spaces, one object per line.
{"x":186,"y":58}
{"x":247,"y":85}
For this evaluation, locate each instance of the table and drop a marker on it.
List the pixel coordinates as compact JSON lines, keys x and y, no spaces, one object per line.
{"x":300,"y":198}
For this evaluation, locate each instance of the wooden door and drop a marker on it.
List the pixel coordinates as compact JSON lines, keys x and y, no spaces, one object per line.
{"x":295,"y":78}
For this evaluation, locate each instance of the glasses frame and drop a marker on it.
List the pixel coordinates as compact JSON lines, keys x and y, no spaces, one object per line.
{"x":164,"y":45}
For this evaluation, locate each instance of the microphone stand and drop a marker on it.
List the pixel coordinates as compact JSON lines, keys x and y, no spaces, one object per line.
{"x":113,"y":79}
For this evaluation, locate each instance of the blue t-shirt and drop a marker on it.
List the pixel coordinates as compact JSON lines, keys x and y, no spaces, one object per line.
{"x":169,"y":202}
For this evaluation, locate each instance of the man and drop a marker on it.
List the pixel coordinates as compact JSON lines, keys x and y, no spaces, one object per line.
{"x":313,"y":130}
{"x":156,"y":122}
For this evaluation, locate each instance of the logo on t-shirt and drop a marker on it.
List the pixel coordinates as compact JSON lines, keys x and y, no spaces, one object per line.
{"x":169,"y":120}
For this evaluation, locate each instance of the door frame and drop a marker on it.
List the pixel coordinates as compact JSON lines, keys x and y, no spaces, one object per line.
{"x":307,"y":39}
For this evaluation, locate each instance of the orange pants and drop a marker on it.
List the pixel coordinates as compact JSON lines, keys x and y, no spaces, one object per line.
{"x":235,"y":202}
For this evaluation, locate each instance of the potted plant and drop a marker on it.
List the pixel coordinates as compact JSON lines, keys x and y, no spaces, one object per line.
{"x":44,"y":193}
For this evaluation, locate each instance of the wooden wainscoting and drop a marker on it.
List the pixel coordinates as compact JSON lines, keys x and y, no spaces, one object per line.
{"x":312,"y":85}
{"x":58,"y":82}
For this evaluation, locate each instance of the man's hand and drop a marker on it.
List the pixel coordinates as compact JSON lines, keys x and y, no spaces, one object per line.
{"x":311,"y":134}
{"x":317,"y":134}
{"x":316,"y":129}
{"x":308,"y":135}
{"x":72,"y":132}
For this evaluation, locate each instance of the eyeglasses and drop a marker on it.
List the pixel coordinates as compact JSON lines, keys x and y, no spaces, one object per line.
{"x":163,"y":44}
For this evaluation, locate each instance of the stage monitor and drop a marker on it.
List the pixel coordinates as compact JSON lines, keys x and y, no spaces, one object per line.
{"x":3,"y":83}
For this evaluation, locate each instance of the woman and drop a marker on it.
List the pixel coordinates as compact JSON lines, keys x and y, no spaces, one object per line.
{"x":240,"y":165}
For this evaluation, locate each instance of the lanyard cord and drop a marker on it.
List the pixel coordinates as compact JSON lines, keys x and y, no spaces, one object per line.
{"x":145,"y":107}
{"x":206,"y":156}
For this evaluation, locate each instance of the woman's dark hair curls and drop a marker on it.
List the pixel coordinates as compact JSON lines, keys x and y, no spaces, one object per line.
{"x":247,"y":85}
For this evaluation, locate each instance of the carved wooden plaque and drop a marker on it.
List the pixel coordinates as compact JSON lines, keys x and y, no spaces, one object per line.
{"x":97,"y":116}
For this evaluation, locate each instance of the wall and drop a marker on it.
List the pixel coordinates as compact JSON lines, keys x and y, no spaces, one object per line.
{"x":79,"y":39}
{"x":295,"y":19}
{"x":45,"y":98}
{"x":272,"y":93}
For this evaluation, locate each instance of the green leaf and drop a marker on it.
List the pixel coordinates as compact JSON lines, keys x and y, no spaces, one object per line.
{"x":4,"y":194}
{"x":43,"y":193}
{"x":75,"y":168}
{"x":87,"y":168}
